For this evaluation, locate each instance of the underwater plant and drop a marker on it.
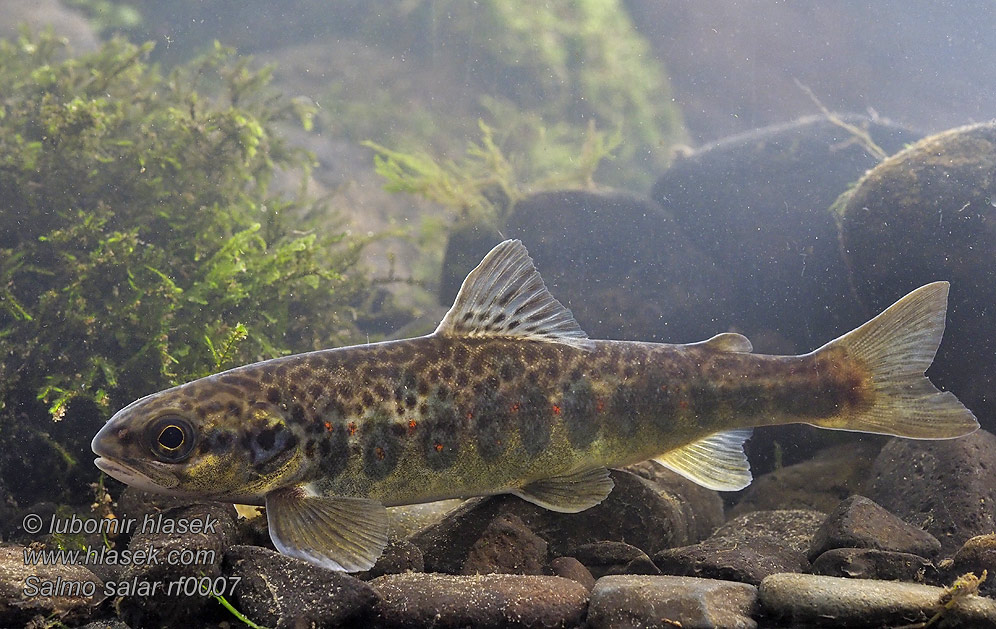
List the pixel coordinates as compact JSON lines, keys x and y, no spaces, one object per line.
{"x":141,"y":242}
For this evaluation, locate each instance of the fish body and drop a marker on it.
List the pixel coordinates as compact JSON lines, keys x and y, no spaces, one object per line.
{"x":508,"y":396}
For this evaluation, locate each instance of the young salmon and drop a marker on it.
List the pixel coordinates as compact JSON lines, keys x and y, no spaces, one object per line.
{"x":508,"y":395}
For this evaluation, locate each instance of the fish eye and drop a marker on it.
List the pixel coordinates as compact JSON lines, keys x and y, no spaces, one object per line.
{"x":171,"y":438}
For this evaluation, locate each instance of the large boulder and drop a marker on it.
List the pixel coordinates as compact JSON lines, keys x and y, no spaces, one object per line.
{"x":929,"y":213}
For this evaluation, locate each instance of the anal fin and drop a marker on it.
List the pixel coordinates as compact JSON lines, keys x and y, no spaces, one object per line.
{"x":338,"y":533}
{"x":716,"y":462}
{"x":570,"y":493}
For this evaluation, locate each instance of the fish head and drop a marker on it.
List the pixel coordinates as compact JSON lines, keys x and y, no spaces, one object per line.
{"x":200,"y":440}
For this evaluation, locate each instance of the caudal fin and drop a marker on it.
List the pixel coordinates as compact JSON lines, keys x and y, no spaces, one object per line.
{"x":897,"y":346}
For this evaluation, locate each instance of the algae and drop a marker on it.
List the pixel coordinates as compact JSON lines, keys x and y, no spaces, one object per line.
{"x":141,"y":244}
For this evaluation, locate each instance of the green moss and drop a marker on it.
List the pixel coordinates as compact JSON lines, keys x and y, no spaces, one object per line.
{"x":140,"y":243}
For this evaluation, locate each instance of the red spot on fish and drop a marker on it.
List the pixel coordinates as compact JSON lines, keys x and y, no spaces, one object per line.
{"x":515,"y":407}
{"x":328,"y":426}
{"x":470,"y":415}
{"x":600,"y":405}
{"x":683,"y":404}
{"x":439,"y":447}
{"x":556,"y":410}
{"x":379,"y":451}
{"x":352,"y":428}
{"x":411,"y":425}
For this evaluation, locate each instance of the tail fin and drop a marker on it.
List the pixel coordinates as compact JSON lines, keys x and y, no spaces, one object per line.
{"x":897,"y":346}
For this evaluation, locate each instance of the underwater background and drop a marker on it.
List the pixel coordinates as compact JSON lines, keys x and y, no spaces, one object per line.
{"x":190,"y":186}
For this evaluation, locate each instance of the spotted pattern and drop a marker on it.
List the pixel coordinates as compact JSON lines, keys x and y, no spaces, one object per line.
{"x":381,"y":447}
{"x":439,"y":432}
{"x":580,"y":412}
{"x":534,"y":415}
{"x":434,"y":402}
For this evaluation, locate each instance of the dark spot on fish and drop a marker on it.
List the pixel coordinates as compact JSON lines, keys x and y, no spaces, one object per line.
{"x":500,"y":316}
{"x":439,"y":433}
{"x":367,"y":398}
{"x":492,"y":422}
{"x":508,"y":369}
{"x":446,"y":371}
{"x":747,"y":400}
{"x":432,"y":375}
{"x":186,"y":405}
{"x":410,"y":400}
{"x":298,"y":414}
{"x":467,"y":316}
{"x":461,"y":379}
{"x":381,"y":449}
{"x":423,"y":408}
{"x":344,"y":391}
{"x":514,"y":323}
{"x":622,"y":407}
{"x":534,"y":419}
{"x":213,"y":407}
{"x":201,"y":413}
{"x":443,"y":392}
{"x":266,"y":438}
{"x":266,"y":376}
{"x":235,"y":410}
{"x":579,"y":413}
{"x":422,"y":387}
{"x":309,"y":449}
{"x":292,"y":390}
{"x":273,"y":395}
{"x":271,"y":448}
{"x":316,"y":391}
{"x":221,"y":441}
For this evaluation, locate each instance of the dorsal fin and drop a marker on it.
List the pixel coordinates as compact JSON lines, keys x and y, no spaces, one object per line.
{"x":505,"y":296}
{"x":727,"y":342}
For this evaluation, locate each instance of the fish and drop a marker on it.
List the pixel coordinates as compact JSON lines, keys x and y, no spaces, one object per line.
{"x":509,"y":396}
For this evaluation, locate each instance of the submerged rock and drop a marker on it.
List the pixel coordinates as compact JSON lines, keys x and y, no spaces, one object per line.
{"x":648,"y":601}
{"x":617,"y":260}
{"x":869,"y":563}
{"x":637,"y":511}
{"x":506,"y":546}
{"x":818,"y":484}
{"x":606,"y":558}
{"x":976,"y":555}
{"x":571,"y":568}
{"x":946,"y":487}
{"x":747,"y":548}
{"x":813,"y":600}
{"x":858,"y":522}
{"x":925,"y":214}
{"x":280,"y":591}
{"x":63,"y":593}
{"x":491,"y":600}
{"x":759,"y":204}
{"x":795,"y":527}
{"x":183,"y":557}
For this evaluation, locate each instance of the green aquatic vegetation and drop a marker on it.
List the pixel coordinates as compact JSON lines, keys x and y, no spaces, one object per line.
{"x":141,"y":244}
{"x":486,"y":184}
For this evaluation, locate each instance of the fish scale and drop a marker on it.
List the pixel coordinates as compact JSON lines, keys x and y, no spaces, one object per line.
{"x":509,"y":395}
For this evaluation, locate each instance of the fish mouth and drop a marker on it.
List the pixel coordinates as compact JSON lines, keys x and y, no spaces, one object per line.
{"x":130,"y":474}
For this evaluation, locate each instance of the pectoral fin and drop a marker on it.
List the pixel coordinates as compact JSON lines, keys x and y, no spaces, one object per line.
{"x":717,"y":461}
{"x":337,"y":533}
{"x":570,"y":493}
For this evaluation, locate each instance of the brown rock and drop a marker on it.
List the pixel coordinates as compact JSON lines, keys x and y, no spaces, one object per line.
{"x":861,"y":523}
{"x":868,"y":563}
{"x":636,"y":511}
{"x":571,"y":568}
{"x":947,"y":487}
{"x":280,"y":591}
{"x":732,"y":560}
{"x":507,"y":546}
{"x":68,"y":593}
{"x":490,"y":600}
{"x":603,"y":558}
{"x":646,"y":601}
